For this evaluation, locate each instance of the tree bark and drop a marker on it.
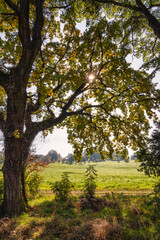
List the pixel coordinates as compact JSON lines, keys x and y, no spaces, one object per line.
{"x":23,"y":183}
{"x":13,"y":142}
{"x":13,"y":201}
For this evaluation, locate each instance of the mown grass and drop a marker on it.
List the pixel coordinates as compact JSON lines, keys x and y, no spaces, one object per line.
{"x":110,"y":176}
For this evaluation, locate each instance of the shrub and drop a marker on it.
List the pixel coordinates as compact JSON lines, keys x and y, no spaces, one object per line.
{"x":90,"y":183}
{"x":62,"y":188}
{"x":33,"y":182}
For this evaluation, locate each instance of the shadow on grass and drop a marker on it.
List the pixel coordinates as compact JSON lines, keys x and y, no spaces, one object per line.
{"x":129,"y":218}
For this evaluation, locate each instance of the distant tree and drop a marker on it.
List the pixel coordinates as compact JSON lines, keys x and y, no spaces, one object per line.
{"x":149,"y":157}
{"x":83,"y":159}
{"x":117,"y":157}
{"x":59,"y":159}
{"x":69,"y":159}
{"x":95,"y":157}
{"x":53,"y":155}
{"x":126,"y":160}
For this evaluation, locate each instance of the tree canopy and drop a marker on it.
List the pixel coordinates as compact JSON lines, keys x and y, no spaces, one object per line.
{"x":140,"y":21}
{"x":54,"y":74}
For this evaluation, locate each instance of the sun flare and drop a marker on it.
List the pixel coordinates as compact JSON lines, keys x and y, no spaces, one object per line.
{"x":91,"y":77}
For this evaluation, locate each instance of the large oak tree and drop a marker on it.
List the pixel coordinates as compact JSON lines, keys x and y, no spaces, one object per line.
{"x":51,"y":75}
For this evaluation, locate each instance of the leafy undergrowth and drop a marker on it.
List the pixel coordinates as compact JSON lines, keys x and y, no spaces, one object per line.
{"x":120,"y":218}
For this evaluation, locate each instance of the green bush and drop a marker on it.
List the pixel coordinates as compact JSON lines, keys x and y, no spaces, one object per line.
{"x":62,"y":188}
{"x":33,"y":182}
{"x":90,"y":182}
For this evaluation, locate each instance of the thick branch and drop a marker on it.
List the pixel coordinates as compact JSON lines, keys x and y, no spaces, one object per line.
{"x":31,"y":46}
{"x":24,"y":28}
{"x":36,"y":127}
{"x":81,"y":111}
{"x":38,"y":26}
{"x":152,"y":21}
{"x":71,"y":99}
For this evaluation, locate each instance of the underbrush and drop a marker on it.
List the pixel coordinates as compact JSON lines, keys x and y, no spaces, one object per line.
{"x":122,"y":218}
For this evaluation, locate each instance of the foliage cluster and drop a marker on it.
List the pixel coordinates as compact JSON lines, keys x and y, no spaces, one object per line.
{"x":33,"y":182}
{"x":62,"y":188}
{"x":32,"y":176}
{"x":90,"y":182}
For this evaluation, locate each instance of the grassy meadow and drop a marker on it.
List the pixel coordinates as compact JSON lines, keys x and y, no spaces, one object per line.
{"x":110,"y":176}
{"x":131,"y":210}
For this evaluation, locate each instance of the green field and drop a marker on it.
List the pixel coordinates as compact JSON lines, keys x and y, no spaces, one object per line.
{"x":131,"y":208}
{"x":110,"y":176}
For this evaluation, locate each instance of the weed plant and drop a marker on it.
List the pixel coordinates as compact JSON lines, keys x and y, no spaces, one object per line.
{"x":90,"y":184}
{"x":62,"y":188}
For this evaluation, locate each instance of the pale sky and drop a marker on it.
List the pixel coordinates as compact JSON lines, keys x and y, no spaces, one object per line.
{"x":57,"y":141}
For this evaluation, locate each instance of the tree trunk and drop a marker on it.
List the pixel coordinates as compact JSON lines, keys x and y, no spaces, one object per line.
{"x":13,"y":201}
{"x":14,"y":144}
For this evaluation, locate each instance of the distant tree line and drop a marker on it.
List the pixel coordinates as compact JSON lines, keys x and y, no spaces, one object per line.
{"x":53,"y":157}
